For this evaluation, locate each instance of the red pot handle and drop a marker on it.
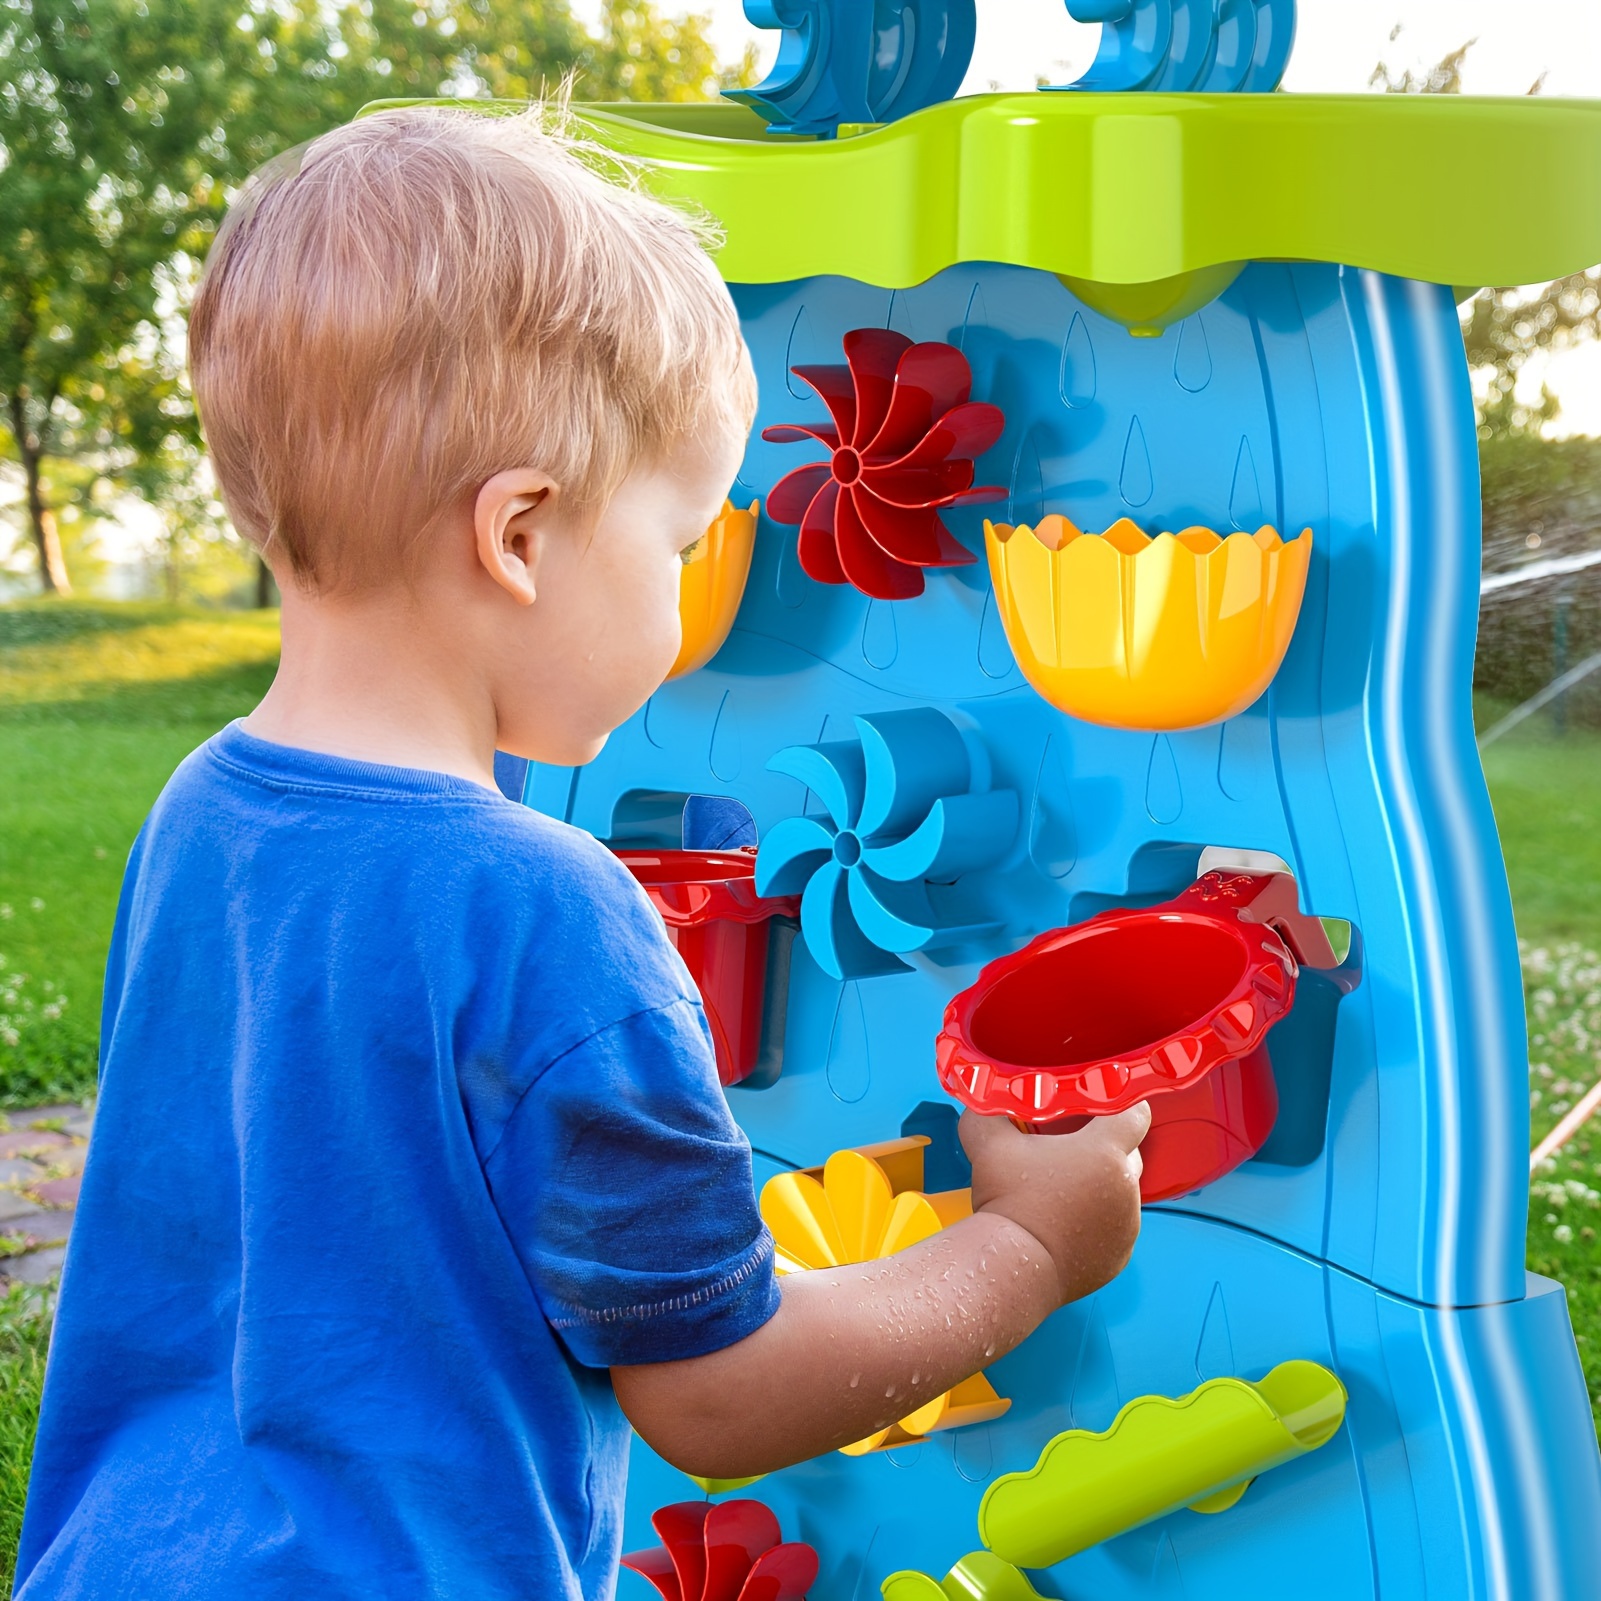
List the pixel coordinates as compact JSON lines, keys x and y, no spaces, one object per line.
{"x":1268,"y":898}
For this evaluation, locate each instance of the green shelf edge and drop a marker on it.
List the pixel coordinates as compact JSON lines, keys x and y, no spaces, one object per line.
{"x":1134,"y":188}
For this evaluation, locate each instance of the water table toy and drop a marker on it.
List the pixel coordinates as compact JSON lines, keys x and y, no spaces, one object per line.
{"x":1189,"y":348}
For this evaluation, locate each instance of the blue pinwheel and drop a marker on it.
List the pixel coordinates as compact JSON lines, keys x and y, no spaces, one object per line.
{"x":902,"y":817}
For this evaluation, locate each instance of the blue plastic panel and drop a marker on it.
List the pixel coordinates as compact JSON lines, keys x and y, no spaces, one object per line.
{"x":1412,"y":1499}
{"x":1383,"y":1233}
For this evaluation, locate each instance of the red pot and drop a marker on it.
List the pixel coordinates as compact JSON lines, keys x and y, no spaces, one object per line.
{"x":1170,"y":1004}
{"x":719,"y":924}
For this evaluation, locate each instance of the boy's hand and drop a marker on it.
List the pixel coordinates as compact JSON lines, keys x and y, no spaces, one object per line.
{"x":852,"y":1349}
{"x":1077,"y":1194}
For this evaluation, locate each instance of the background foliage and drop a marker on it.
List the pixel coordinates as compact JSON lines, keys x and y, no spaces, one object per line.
{"x":1542,"y":500}
{"x":125,"y":125}
{"x":24,"y":1339}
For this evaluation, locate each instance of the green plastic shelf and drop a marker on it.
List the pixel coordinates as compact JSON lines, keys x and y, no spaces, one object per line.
{"x":1138,"y":188}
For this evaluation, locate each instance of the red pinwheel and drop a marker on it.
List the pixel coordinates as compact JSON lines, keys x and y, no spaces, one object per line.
{"x":904,"y":438}
{"x":729,"y":1552}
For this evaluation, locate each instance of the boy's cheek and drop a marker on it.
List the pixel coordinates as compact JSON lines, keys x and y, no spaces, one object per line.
{"x":665,"y":634}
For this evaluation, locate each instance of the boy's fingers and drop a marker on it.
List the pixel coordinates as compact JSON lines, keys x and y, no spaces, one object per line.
{"x":1124,"y":1129}
{"x":977,"y":1132}
{"x":1128,"y":1128}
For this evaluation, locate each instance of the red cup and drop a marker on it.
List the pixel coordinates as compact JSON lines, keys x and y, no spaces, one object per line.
{"x":1169,"y":1004}
{"x":719,"y":924}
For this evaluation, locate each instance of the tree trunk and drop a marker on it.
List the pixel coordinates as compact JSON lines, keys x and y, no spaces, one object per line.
{"x":53,"y":579}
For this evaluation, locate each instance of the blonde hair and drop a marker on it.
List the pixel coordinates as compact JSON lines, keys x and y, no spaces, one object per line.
{"x":415,"y":302}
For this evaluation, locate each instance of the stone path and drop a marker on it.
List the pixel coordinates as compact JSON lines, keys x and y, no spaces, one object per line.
{"x":41,"y":1165}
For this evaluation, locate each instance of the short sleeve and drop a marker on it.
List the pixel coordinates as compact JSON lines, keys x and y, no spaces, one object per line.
{"x":626,"y":1188}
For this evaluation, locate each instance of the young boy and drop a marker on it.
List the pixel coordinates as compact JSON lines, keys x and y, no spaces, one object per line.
{"x":411,"y":1178}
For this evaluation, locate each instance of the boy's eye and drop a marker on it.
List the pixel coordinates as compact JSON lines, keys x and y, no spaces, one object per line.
{"x":689,"y":552}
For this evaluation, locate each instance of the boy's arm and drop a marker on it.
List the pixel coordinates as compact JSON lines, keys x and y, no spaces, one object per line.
{"x":853,"y":1349}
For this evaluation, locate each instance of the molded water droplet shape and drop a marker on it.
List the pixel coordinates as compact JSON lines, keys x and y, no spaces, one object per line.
{"x":849,"y":1066}
{"x":1077,"y":384}
{"x":1127,"y":631}
{"x":726,"y":750}
{"x":994,"y":653}
{"x":1192,"y":361}
{"x":880,"y":638}
{"x":1160,"y":1455}
{"x":712,"y":585}
{"x":1169,"y":1004}
{"x":1052,"y":836}
{"x":1245,"y":497}
{"x":1135,"y":482}
{"x":859,"y":1206}
{"x":1164,"y":794}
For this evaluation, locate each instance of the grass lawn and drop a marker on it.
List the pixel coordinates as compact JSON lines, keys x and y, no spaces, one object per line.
{"x":1547,"y":793}
{"x":98,"y":703}
{"x":24,"y":1338}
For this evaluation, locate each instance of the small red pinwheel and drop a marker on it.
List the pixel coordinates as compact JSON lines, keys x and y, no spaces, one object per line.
{"x":729,"y":1552}
{"x":904,"y":438}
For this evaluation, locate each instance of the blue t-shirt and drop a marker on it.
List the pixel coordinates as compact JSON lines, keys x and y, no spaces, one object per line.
{"x":409,"y":1128}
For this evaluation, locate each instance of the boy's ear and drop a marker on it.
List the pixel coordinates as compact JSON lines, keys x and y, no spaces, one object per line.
{"x":513,"y":517}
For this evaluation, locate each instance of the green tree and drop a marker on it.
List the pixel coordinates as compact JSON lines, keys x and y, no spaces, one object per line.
{"x":1504,"y":328}
{"x":1443,"y":78}
{"x":643,"y":56}
{"x":105,"y":167}
{"x":124,"y":126}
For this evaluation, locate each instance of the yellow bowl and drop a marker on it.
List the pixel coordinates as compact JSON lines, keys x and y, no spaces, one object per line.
{"x":713,"y":584}
{"x":1133,"y":632}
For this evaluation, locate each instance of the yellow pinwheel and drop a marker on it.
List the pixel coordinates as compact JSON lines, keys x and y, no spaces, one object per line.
{"x":860,"y":1205}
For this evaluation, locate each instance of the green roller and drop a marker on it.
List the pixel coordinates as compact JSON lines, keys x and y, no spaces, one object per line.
{"x":1159,"y":1455}
{"x":981,"y":1576}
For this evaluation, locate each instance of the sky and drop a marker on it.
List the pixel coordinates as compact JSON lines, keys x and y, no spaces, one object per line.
{"x":1338,"y":44}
